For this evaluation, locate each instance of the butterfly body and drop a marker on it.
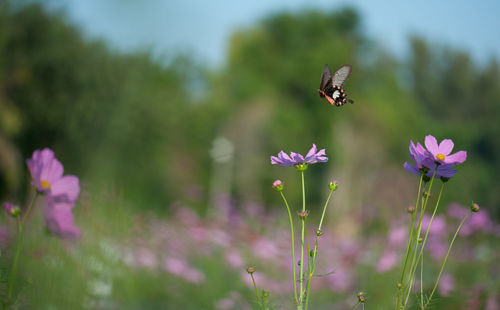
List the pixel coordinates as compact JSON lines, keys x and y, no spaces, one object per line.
{"x":331,"y":85}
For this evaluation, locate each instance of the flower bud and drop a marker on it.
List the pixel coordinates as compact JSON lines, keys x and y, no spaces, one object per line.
{"x":333,"y":185}
{"x":474,"y":207}
{"x":411,"y":209}
{"x":311,"y":253}
{"x":425,"y":194}
{"x":11,"y":209}
{"x":303,"y":215}
{"x":319,"y":233}
{"x":251,"y":269}
{"x":278,"y":185}
{"x":419,"y":240}
{"x":399,"y":285}
{"x":361,"y":297}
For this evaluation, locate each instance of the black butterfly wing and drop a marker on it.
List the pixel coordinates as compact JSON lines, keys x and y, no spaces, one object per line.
{"x":325,"y":78}
{"x":341,"y":75}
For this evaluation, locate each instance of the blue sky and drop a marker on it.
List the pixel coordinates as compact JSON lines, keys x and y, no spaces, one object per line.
{"x":203,"y":27}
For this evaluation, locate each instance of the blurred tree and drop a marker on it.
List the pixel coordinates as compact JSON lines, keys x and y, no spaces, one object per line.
{"x":111,"y":118}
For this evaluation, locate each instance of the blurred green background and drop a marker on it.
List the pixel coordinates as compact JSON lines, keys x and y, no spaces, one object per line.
{"x":146,"y":135}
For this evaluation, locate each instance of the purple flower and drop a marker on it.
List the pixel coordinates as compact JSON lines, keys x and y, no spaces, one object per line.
{"x":434,"y":158}
{"x":312,"y":157}
{"x":47,"y":174}
{"x":60,"y":220}
{"x":441,"y":153}
{"x":443,"y":171}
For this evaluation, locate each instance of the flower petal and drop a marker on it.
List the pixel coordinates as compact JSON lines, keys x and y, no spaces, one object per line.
{"x":60,"y":219}
{"x":297,"y":158}
{"x":457,"y":158}
{"x":411,"y":169}
{"x":431,"y":144}
{"x":312,"y":151}
{"x":66,"y":188}
{"x":279,"y":161}
{"x":445,"y":147}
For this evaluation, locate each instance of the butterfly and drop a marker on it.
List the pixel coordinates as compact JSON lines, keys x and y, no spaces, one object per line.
{"x":331,"y":85}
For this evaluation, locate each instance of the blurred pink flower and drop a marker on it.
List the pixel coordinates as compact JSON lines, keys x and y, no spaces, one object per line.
{"x":387,"y":261}
{"x":438,"y":226}
{"x":436,"y":247}
{"x":340,"y":281}
{"x":181,"y":269}
{"x":234,"y":259}
{"x":446,"y":284}
{"x":457,"y":211}
{"x":492,"y":303}
{"x":398,"y":235}
{"x":60,"y":220}
{"x":265,"y":249}
{"x":480,"y":221}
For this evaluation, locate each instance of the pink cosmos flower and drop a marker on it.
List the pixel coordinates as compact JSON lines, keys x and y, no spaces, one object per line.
{"x":312,"y":157}
{"x":424,"y":162}
{"x":60,"y":220}
{"x":47,"y":174}
{"x":441,"y":153}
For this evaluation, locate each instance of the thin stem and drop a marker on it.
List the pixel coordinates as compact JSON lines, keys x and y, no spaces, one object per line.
{"x":293,"y":249}
{"x":410,"y":242}
{"x":420,"y":255}
{"x":301,"y":274}
{"x":324,"y":210}
{"x":21,"y":224}
{"x":354,"y":306}
{"x":256,"y":290}
{"x":315,"y":253}
{"x":422,"y":282}
{"x":306,"y":292}
{"x":414,"y":262}
{"x":446,"y":258}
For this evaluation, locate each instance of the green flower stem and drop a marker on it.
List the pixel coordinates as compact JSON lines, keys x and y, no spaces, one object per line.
{"x":422,"y":281}
{"x":414,"y":262}
{"x":301,"y":274}
{"x":410,"y":243}
{"x":13,"y":274}
{"x":308,"y":284}
{"x":315,"y":253}
{"x":293,"y":249}
{"x":354,"y":306}
{"x":256,"y":290}
{"x":420,"y":255}
{"x":446,"y":258}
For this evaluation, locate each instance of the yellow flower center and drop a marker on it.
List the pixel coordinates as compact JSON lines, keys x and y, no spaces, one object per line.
{"x":440,"y":156}
{"x":45,"y":184}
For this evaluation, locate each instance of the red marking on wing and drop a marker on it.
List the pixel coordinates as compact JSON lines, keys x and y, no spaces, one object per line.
{"x":322,"y":93}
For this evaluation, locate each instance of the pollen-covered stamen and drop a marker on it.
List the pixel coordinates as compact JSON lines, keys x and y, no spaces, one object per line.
{"x":45,"y":184}
{"x":335,"y":94}
{"x":440,"y":156}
